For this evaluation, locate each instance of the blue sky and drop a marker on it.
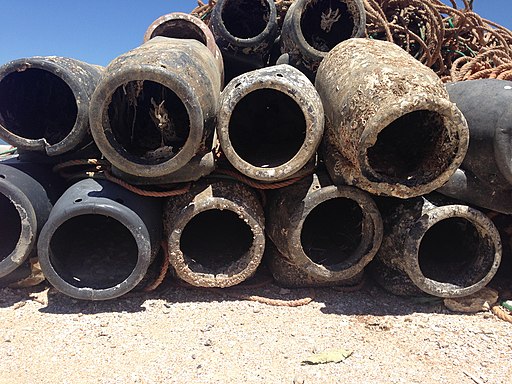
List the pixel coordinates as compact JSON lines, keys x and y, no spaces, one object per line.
{"x":97,"y":31}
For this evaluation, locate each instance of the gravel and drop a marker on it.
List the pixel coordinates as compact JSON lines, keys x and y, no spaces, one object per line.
{"x":182,"y":335}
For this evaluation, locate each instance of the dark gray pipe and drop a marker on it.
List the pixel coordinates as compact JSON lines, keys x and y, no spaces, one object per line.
{"x":485,"y":176}
{"x":245,"y":31}
{"x":99,"y":240}
{"x":180,"y":25}
{"x":429,"y":247}
{"x":153,"y":113}
{"x":324,"y":235}
{"x":25,"y":205}
{"x":44,"y":103}
{"x":312,"y":28}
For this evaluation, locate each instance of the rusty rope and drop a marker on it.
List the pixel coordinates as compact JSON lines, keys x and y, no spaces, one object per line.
{"x":163,"y":269}
{"x":80,"y":162}
{"x":502,"y":313}
{"x":350,"y":288}
{"x":266,"y":300}
{"x":452,"y":41}
{"x":235,"y":293}
{"x":144,"y":192}
{"x":258,"y":185}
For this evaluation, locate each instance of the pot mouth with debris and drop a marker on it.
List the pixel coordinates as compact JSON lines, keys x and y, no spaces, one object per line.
{"x":151,"y":121}
{"x":323,"y":24}
{"x":413,"y":146}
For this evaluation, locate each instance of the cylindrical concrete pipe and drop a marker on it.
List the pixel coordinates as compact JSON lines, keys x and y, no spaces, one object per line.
{"x":215,"y":233}
{"x":390,"y":127}
{"x":44,"y":103}
{"x":99,"y":240}
{"x":312,"y":28}
{"x":180,"y":25}
{"x":441,"y":250}
{"x":324,"y":234}
{"x":25,"y":205}
{"x":245,"y":31}
{"x":270,"y":123}
{"x":153,"y":113}
{"x":485,"y":176}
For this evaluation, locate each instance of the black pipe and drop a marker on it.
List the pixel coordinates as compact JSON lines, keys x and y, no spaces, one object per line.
{"x":245,"y":31}
{"x":99,"y":240}
{"x":44,"y":104}
{"x":312,"y":28}
{"x":26,"y":191}
{"x":485,"y":176}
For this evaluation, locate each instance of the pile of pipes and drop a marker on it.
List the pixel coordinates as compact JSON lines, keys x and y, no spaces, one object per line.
{"x":288,"y":132}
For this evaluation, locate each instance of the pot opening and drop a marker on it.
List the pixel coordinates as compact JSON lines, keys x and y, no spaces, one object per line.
{"x":93,"y":251}
{"x":214,"y":240}
{"x":332,"y":231}
{"x":10,"y":227}
{"x":326,"y":23}
{"x":452,"y":251}
{"x":36,"y":104}
{"x":245,"y":19}
{"x":149,"y":121}
{"x":267,"y":128}
{"x":414,"y":149}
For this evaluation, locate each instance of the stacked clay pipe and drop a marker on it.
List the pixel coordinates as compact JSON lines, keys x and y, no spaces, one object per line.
{"x":294,"y":137}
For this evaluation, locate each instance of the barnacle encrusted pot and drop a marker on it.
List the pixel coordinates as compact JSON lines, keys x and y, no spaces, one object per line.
{"x":215,"y":233}
{"x":390,"y":126}
{"x":44,"y":103}
{"x":324,"y":234}
{"x":441,"y":250}
{"x":270,"y":123}
{"x":153,"y":113}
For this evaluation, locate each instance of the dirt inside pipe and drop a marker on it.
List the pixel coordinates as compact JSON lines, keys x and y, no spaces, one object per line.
{"x":36,"y":104}
{"x":93,"y":251}
{"x":452,"y":252}
{"x":215,"y":239}
{"x":332,"y":231}
{"x":267,"y":128}
{"x":180,"y":29}
{"x":245,"y":19}
{"x":149,"y":121}
{"x":326,"y":23}
{"x":414,"y":149}
{"x":10,"y":227}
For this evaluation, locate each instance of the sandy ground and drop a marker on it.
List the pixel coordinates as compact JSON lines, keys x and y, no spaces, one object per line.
{"x":180,"y":335}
